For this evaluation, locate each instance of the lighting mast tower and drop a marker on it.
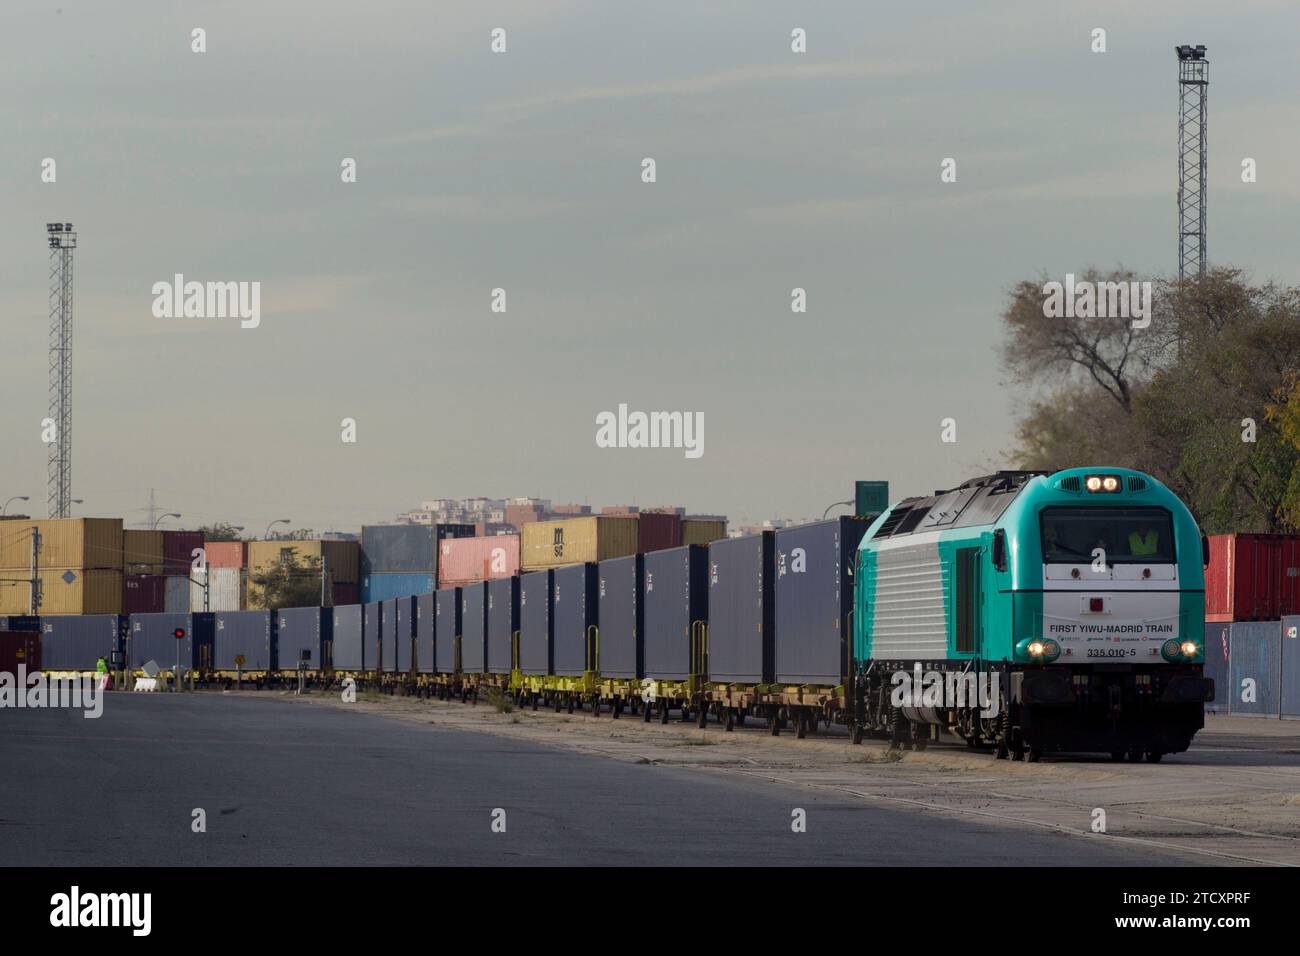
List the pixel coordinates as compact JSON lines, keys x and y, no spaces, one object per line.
{"x":1193,"y":88}
{"x":62,"y":242}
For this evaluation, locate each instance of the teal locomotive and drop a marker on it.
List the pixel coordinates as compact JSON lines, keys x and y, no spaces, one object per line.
{"x":1030,"y":612}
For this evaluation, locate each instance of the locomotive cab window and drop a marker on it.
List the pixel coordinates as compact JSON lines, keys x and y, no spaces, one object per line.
{"x":1127,"y":535}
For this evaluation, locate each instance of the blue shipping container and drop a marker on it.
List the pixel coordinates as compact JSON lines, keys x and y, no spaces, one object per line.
{"x":676,"y":603}
{"x":348,"y":651}
{"x":446,"y":629}
{"x":503,"y":621}
{"x":303,"y":631}
{"x":424,"y":621}
{"x":385,"y":587}
{"x":576,"y":592}
{"x":152,"y":637}
{"x":404,"y":624}
{"x":621,"y":604}
{"x":473,"y":628}
{"x":75,"y":642}
{"x":246,"y":634}
{"x":535,"y":631}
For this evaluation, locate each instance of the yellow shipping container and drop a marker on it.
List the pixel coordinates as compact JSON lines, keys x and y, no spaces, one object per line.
{"x":343,"y":558}
{"x":89,"y":592}
{"x":65,"y":543}
{"x":702,"y":531}
{"x":549,"y":544}
{"x":142,"y":552}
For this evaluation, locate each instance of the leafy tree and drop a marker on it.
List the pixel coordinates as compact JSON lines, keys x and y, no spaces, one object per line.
{"x":219,"y":532}
{"x":293,"y":581}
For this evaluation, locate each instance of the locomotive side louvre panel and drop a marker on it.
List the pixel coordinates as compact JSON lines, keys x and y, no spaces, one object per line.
{"x":908,"y":614}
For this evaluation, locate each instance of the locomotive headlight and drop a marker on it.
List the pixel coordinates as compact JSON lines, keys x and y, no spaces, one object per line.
{"x":1189,"y":648}
{"x":1105,"y":484}
{"x":1038,"y":650}
{"x":1110,"y":483}
{"x":1093,"y":483}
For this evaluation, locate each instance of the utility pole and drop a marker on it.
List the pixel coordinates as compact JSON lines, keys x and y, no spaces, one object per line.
{"x":62,"y":240}
{"x":36,"y":568}
{"x":1193,"y":90}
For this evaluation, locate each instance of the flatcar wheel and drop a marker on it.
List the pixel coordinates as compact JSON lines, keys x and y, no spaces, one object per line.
{"x":1117,"y":756}
{"x":1154,"y":756}
{"x":616,"y":711}
{"x":535,"y":698}
{"x":1134,"y":756}
{"x":1001,"y":752}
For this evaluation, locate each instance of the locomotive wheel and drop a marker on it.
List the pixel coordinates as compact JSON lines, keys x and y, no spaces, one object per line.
{"x":617,"y":709}
{"x":1001,"y":752}
{"x":800,"y":725}
{"x":571,"y":703}
{"x":1153,"y":756}
{"x":534,"y":696}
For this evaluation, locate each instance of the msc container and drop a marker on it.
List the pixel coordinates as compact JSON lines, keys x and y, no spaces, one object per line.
{"x":227,"y":590}
{"x":702,"y":530}
{"x":576,"y":593}
{"x":303,"y":630}
{"x":620,"y":605}
{"x":477,"y":559}
{"x":502,"y":622}
{"x":742,"y":624}
{"x":814,"y":592}
{"x":77,"y":642}
{"x":341,"y":558}
{"x":406,"y":548}
{"x":225,"y":554}
{"x":348,"y":650}
{"x":143,"y":594}
{"x":178,"y":550}
{"x":152,"y":637}
{"x":446,"y":629}
{"x":550,"y":544}
{"x":66,"y":591}
{"x":473,"y":628}
{"x":176,"y":593}
{"x":246,"y":634}
{"x":1252,"y":577}
{"x":676,"y":596}
{"x":20,"y":649}
{"x":658,"y":531}
{"x":535,"y":622}
{"x":424,"y":622}
{"x":372,"y":624}
{"x":388,"y":585}
{"x":142,"y":552}
{"x":65,"y":543}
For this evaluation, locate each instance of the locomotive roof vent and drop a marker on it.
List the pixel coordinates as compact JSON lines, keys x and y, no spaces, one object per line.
{"x":1136,"y":484}
{"x":1072,"y":483}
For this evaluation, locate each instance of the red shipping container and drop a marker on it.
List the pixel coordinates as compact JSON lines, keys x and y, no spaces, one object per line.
{"x":346,"y":594}
{"x":177,"y":550}
{"x":225,"y":554}
{"x":20,"y":648}
{"x":143,"y":593}
{"x":477,"y":559}
{"x":658,"y":531}
{"x":1252,"y":577}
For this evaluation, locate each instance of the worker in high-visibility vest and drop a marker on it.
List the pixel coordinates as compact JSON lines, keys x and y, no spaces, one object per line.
{"x":1144,"y":543}
{"x":101,"y":673}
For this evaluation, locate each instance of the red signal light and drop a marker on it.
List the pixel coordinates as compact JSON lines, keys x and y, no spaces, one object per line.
{"x":179,"y":633}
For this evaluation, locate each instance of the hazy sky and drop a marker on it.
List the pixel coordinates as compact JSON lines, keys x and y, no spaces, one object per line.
{"x":522,"y":170}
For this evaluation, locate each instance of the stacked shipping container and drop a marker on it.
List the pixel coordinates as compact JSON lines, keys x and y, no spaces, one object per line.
{"x":551,"y":544}
{"x":466,"y":560}
{"x":1252,"y":577}
{"x":80,"y":565}
{"x":402,"y":560}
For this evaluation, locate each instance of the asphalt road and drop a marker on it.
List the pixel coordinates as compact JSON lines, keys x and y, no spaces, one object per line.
{"x":316,"y":786}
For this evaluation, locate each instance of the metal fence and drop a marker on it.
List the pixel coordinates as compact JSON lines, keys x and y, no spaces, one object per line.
{"x":1256,"y":668}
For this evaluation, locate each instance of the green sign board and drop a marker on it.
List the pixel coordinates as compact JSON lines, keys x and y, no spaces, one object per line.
{"x":871,"y":497}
